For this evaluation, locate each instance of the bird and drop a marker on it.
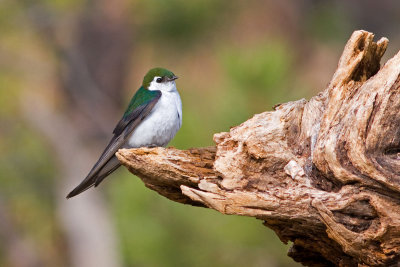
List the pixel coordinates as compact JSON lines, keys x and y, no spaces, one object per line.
{"x":153,"y":117}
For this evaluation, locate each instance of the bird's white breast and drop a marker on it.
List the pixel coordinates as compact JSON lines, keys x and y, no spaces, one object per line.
{"x":162,"y":123}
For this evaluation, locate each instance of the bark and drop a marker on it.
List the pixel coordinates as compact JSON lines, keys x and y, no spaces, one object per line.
{"x":323,"y":174}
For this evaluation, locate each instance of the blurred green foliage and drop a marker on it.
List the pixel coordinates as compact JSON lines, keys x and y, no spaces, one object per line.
{"x":258,"y":76}
{"x":180,"y":23}
{"x":262,"y":68}
{"x":327,"y":22}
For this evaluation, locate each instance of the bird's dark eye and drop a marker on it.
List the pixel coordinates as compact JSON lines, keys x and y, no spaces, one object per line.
{"x":159,"y":80}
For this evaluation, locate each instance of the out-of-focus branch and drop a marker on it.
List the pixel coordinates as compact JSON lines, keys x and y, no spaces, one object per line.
{"x":92,"y":66}
{"x":91,"y":91}
{"x":85,"y":220}
{"x":323,"y":173}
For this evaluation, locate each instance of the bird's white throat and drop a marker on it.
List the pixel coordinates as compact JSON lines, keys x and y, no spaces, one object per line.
{"x":163,"y":87}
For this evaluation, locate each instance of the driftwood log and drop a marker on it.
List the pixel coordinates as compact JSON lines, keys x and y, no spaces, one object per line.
{"x":323,"y":173}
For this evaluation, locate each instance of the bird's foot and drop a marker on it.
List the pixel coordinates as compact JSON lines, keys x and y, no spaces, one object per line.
{"x":152,"y":146}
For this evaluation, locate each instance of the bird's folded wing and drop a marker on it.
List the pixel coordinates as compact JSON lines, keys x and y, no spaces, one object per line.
{"x":124,"y":128}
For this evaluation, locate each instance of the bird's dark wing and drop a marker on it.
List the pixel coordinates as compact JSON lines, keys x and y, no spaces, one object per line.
{"x":140,"y":106}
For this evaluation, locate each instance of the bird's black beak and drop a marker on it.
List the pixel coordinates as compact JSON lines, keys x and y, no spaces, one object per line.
{"x":173,"y":78}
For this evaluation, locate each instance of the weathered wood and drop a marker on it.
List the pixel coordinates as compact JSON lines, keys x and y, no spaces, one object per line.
{"x":323,"y":173}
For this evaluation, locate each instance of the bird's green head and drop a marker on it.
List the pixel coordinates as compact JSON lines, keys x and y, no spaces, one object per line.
{"x":157,"y":78}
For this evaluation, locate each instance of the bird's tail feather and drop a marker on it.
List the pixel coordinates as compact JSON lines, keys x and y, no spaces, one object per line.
{"x":96,"y":178}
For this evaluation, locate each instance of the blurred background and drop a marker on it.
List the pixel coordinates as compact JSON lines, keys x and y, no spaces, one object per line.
{"x":68,"y":68}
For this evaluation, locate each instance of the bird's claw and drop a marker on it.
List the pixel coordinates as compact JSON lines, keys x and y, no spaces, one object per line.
{"x":152,"y":146}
